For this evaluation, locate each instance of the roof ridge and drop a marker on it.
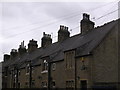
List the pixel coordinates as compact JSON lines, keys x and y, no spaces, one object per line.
{"x":105,"y":24}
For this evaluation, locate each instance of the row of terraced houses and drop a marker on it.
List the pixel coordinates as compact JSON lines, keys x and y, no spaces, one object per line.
{"x":89,"y":59}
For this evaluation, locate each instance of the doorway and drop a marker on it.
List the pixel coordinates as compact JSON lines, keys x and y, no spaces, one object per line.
{"x":83,"y":84}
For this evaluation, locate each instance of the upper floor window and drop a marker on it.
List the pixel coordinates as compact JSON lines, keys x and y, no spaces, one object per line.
{"x":27,"y":68}
{"x":33,"y":69}
{"x":53,"y":66}
{"x":19,"y":72}
{"x":45,"y":65}
{"x":12,"y":72}
{"x":69,"y":59}
{"x":83,"y":64}
{"x":6,"y":71}
{"x":15,"y":73}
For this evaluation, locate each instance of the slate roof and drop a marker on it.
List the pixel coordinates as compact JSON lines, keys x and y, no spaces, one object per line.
{"x":83,"y":44}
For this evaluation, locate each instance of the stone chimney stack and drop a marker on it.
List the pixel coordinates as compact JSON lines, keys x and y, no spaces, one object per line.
{"x":6,"y":57}
{"x":63,"y":33}
{"x":86,"y":24}
{"x":32,"y":45}
{"x":22,"y":49}
{"x":13,"y":53}
{"x":46,"y":40}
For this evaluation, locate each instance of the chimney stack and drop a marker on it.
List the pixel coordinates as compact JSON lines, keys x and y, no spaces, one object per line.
{"x":46,"y":40}
{"x":86,"y":24}
{"x":22,"y":49}
{"x":32,"y":45}
{"x":63,"y":33}
{"x":6,"y":57}
{"x":13,"y":53}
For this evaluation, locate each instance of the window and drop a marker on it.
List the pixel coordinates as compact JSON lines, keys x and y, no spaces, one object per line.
{"x":15,"y":74}
{"x":12,"y":73}
{"x":53,"y":84}
{"x":44,"y":84}
{"x":26,"y":85}
{"x":45,"y":65}
{"x":33,"y":69}
{"x":6,"y":71}
{"x":27,"y":68}
{"x":69,"y":58}
{"x":19,"y":72}
{"x":66,"y":57}
{"x":70,"y":84}
{"x":53,"y":66}
{"x":83,"y":66}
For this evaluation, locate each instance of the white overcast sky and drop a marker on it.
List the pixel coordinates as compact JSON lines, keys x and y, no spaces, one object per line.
{"x":28,"y":20}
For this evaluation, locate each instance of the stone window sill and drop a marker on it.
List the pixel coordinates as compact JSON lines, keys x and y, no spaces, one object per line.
{"x":45,"y":71}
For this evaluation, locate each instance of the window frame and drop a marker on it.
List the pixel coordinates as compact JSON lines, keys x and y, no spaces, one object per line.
{"x":27,"y":69}
{"x":70,"y":84}
{"x":69,"y":59}
{"x":45,"y":65}
{"x":44,"y":84}
{"x":54,"y":66}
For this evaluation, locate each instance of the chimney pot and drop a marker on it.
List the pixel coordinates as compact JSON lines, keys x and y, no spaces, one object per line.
{"x":43,"y":33}
{"x":86,"y":16}
{"x":61,"y":26}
